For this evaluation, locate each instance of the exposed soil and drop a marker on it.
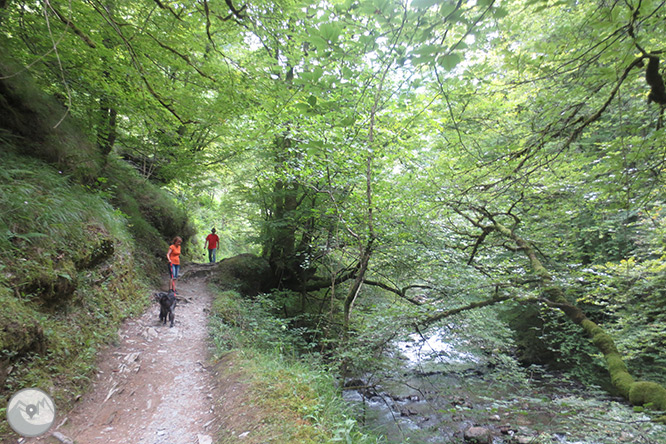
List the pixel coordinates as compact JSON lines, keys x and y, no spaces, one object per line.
{"x":156,"y":386}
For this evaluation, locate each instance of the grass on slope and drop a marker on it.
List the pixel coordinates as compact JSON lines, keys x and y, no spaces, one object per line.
{"x":285,"y":398}
{"x":67,"y":279}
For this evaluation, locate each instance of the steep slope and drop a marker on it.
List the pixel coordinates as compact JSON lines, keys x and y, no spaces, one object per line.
{"x":68,"y":276}
{"x":81,"y":235}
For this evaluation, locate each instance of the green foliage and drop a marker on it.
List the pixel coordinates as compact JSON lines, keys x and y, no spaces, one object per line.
{"x":37,"y":228}
{"x":153,"y":218}
{"x":252,"y":323}
{"x":208,"y":204}
{"x":630,"y":295}
{"x":297,"y":391}
{"x":402,"y":133}
{"x":528,"y":323}
{"x":546,"y":337}
{"x":33,"y":123}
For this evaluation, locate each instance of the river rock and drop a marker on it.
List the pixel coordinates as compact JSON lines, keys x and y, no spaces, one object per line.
{"x":478,"y":435}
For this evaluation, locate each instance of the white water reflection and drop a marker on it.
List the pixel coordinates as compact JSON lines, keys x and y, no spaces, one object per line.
{"x":439,"y":346}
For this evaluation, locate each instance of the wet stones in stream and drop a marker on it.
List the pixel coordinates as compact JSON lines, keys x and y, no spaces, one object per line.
{"x":480,"y":435}
{"x":449,"y":418}
{"x":505,"y":434}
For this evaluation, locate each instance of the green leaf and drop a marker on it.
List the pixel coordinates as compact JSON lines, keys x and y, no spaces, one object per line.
{"x":347,"y":121}
{"x":303,"y":107}
{"x":318,"y":42}
{"x":329,"y":32}
{"x":449,"y":61}
{"x":447,"y":9}
{"x":317,"y":73}
{"x":422,"y":59}
{"x":425,"y":4}
{"x":500,"y":12}
{"x":428,"y":50}
{"x":367,"y":40}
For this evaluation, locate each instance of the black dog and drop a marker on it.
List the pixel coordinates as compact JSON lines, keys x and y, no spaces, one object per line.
{"x":167,"y":306}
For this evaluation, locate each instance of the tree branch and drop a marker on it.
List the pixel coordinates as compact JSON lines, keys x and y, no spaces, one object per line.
{"x":594,"y":117}
{"x":637,"y":392}
{"x":400,"y":292}
{"x":167,"y":8}
{"x":237,"y":12}
{"x":74,"y":28}
{"x":137,"y":65}
{"x":453,"y":311}
{"x":182,"y":56}
{"x":321,"y":283}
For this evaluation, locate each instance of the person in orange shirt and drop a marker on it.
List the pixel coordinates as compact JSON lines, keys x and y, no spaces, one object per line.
{"x":174,"y":257}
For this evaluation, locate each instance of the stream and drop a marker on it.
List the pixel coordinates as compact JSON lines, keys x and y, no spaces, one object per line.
{"x":445,"y":390}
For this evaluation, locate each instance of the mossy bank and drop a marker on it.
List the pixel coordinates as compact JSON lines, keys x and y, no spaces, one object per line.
{"x":68,"y":276}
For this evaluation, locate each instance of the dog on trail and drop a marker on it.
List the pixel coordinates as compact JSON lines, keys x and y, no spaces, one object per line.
{"x":167,"y":306}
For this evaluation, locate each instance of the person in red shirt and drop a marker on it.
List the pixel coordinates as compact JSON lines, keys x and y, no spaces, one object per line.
{"x":174,"y":257}
{"x":212,"y":240}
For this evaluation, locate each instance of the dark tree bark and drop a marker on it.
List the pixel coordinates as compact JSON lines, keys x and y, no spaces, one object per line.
{"x":287,"y":239}
{"x":106,"y":134}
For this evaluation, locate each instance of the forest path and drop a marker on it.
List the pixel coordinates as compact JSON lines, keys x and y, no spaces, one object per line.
{"x":154,"y":387}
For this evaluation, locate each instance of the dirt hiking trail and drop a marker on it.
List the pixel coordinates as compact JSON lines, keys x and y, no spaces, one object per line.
{"x":155,"y":386}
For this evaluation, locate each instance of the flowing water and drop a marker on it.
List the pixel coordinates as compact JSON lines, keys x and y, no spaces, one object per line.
{"x":443,"y":387}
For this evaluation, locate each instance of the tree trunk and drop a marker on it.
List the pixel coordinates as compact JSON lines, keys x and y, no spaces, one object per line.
{"x":280,"y":245}
{"x":106,"y":135}
{"x":364,"y":261}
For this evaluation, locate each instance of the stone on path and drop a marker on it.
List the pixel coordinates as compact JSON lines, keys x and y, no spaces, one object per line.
{"x":205,"y":439}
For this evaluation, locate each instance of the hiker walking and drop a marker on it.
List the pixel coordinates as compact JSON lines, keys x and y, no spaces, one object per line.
{"x":174,"y":260}
{"x":212,"y":240}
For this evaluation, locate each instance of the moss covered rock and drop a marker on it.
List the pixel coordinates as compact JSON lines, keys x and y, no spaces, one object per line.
{"x":55,"y":283}
{"x":649,"y":394}
{"x":247,"y":274}
{"x":20,"y":332}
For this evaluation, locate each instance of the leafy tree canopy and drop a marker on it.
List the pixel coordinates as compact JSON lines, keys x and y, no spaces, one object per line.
{"x":448,"y":153}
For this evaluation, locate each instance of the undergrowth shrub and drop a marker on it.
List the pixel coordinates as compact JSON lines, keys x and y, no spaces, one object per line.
{"x":297,"y":391}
